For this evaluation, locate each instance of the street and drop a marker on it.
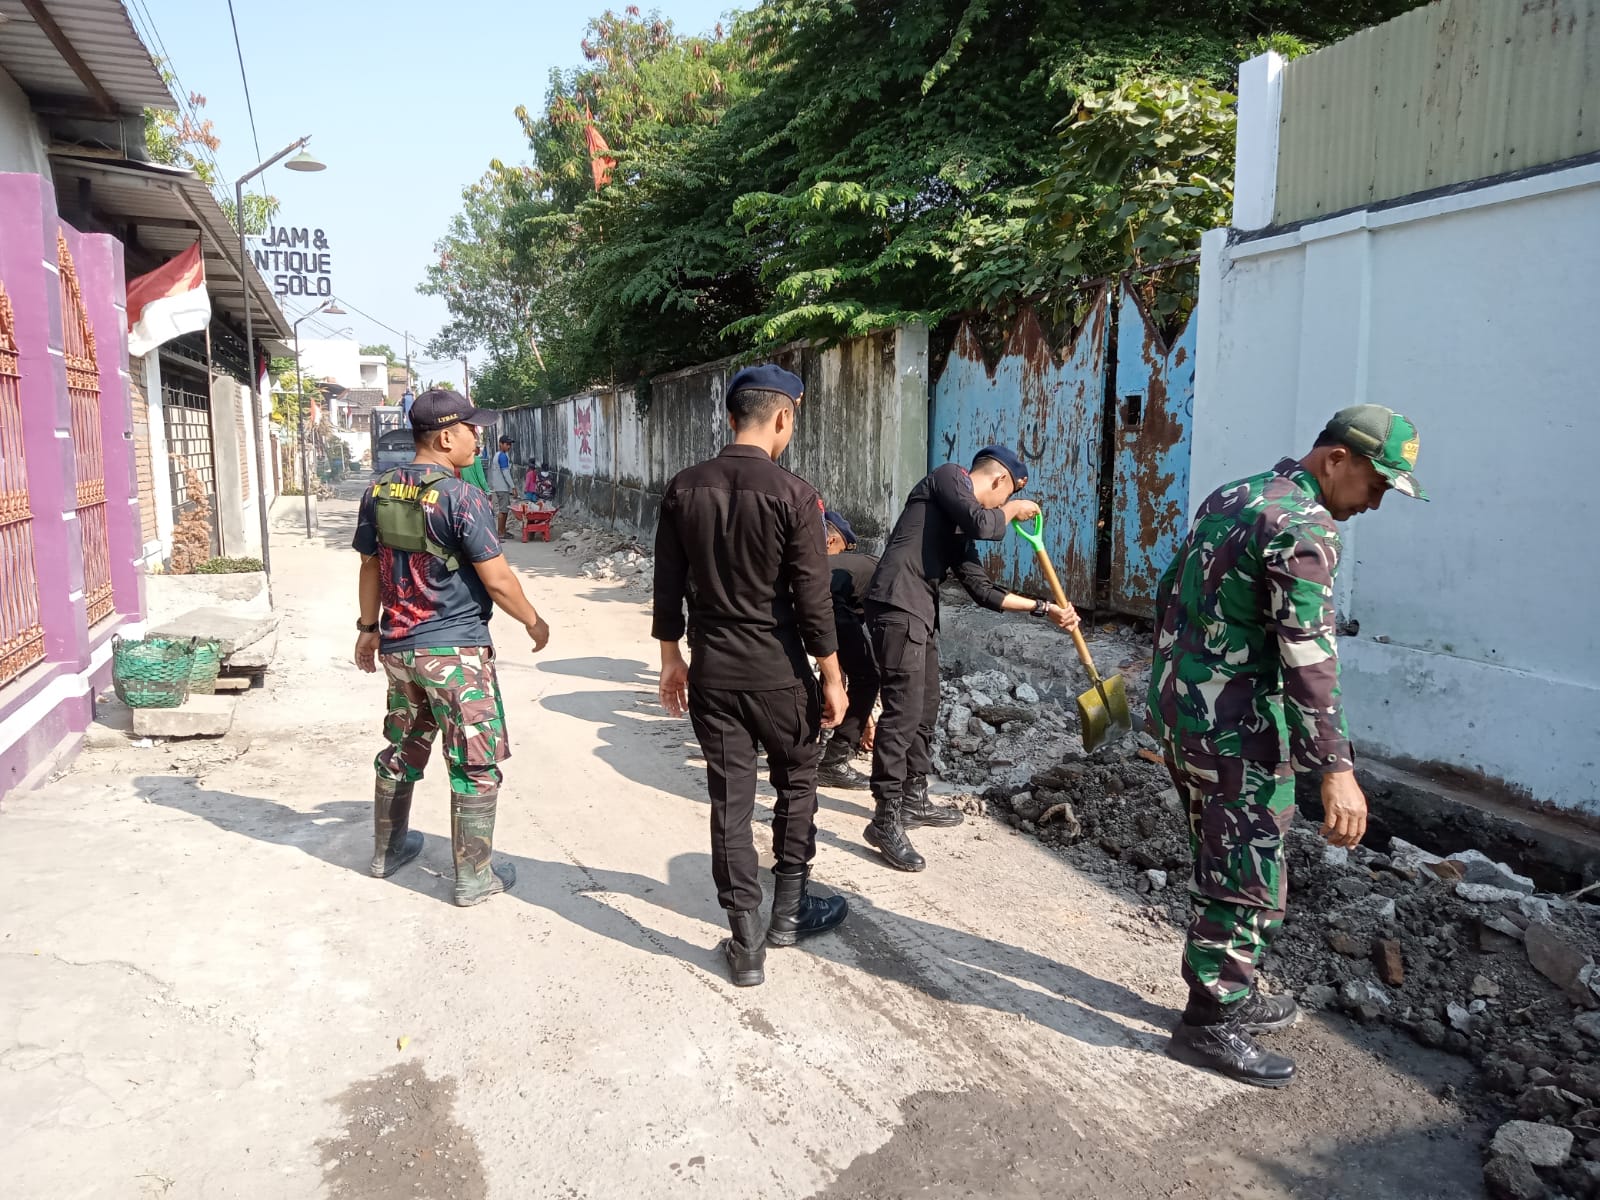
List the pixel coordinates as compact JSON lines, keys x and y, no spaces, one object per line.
{"x":206,"y":995}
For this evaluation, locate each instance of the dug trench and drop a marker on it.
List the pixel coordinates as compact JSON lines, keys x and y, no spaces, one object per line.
{"x":1489,"y":956}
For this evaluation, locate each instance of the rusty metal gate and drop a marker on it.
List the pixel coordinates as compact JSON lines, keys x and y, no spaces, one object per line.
{"x":1102,"y":419}
{"x":21,"y":633}
{"x":83,"y":388}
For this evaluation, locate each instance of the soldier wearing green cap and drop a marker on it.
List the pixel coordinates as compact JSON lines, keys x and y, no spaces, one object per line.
{"x":1244,"y":695}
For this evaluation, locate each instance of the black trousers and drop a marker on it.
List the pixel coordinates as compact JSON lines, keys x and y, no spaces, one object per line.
{"x":787,"y":724}
{"x":908,"y":666}
{"x":861,"y":681}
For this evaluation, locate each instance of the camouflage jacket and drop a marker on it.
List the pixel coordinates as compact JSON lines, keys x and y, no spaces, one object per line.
{"x":1246,"y":664}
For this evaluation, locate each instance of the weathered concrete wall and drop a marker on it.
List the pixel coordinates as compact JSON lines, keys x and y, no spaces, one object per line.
{"x":861,"y":439}
{"x":1470,"y":313}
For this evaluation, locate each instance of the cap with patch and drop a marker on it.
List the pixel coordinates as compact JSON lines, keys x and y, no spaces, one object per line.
{"x":1007,"y":459}
{"x":839,"y":523}
{"x":1384,"y":436}
{"x":768,"y":377}
{"x":440,"y":408}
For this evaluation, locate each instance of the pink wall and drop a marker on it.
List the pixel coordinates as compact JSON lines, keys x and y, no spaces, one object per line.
{"x":43,"y":711}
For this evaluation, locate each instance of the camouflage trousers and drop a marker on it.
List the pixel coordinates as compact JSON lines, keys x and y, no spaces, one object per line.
{"x":1239,"y":812}
{"x":452,"y":691}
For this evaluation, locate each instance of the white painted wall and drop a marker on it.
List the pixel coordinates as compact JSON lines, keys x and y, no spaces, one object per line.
{"x":22,"y":145}
{"x":1473,"y":315}
{"x":338,"y":359}
{"x":374,"y":370}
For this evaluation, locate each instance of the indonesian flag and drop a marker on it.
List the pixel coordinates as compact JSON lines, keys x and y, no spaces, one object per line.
{"x":168,"y":302}
{"x":601,"y":164}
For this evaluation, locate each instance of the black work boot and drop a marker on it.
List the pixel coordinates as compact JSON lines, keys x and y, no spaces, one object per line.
{"x":472,"y":838}
{"x":835,"y":770}
{"x":393,"y":844}
{"x":1229,"y":1049}
{"x":796,"y":913}
{"x":746,"y":950}
{"x":1260,"y":1013}
{"x":916,"y":809}
{"x":888,"y":837}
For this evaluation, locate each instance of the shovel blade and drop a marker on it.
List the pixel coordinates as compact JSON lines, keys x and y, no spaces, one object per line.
{"x":1101,"y":718}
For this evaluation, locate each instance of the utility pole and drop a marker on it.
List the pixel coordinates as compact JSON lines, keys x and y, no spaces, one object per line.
{"x":466,"y":378}
{"x":408,"y":360}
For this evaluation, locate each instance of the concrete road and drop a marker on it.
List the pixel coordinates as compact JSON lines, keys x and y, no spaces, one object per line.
{"x":202,"y":993}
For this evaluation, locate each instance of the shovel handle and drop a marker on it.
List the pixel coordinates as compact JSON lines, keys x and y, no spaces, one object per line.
{"x":1082,"y":646}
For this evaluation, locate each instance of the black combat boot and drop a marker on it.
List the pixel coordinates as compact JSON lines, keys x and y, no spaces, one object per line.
{"x":393,"y":843}
{"x":1260,"y":1013}
{"x":796,"y":913}
{"x":917,"y":810}
{"x":746,"y":950}
{"x":472,"y":838}
{"x":1229,"y":1049}
{"x":835,"y":770}
{"x":888,"y":837}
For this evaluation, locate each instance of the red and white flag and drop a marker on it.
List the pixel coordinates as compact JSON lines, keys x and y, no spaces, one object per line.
{"x":168,"y":302}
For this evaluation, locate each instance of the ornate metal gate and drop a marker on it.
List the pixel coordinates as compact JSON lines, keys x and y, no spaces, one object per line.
{"x":21,"y":634}
{"x":83,"y":386}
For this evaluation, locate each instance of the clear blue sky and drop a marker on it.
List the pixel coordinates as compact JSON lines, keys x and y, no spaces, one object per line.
{"x":407,"y":103}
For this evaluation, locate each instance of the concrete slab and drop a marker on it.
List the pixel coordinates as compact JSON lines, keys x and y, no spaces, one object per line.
{"x":257,"y":656}
{"x":198,"y":716}
{"x":231,"y":629}
{"x":232,"y":683}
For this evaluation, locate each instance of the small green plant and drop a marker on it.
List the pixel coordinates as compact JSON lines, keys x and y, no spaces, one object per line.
{"x":228,"y":566}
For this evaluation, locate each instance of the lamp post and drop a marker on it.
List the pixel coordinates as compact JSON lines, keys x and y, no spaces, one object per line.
{"x":300,"y":162}
{"x":332,"y":308}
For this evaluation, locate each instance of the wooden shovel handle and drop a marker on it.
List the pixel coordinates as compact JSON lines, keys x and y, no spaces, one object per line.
{"x":1049,"y":570}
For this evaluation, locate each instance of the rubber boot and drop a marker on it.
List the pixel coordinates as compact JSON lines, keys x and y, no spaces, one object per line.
{"x":888,"y":837}
{"x":835,"y":770}
{"x":393,"y":842}
{"x":746,"y":950}
{"x":1260,"y":1013}
{"x":796,"y":913}
{"x":1230,"y":1050}
{"x":472,"y":838}
{"x":917,"y":810}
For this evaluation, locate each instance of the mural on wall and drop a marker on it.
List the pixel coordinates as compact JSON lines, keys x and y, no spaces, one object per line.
{"x":585,"y":433}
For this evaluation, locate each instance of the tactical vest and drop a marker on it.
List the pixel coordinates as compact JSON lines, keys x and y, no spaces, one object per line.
{"x":402,"y":523}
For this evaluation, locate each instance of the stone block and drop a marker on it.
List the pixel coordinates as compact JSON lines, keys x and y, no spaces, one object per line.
{"x":198,"y":716}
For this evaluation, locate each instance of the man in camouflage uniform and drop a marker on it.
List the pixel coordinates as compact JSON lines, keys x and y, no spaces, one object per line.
{"x":1244,"y":694}
{"x":435,"y":572}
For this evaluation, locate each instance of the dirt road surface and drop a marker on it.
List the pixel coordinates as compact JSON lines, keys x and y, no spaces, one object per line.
{"x":203,"y":994}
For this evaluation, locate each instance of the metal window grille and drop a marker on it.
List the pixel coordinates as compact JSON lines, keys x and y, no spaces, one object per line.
{"x":188,"y":421}
{"x":83,"y":387}
{"x":21,"y":633}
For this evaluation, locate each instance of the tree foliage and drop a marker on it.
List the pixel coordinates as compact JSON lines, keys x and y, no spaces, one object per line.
{"x":824,"y":168}
{"x":188,"y":139}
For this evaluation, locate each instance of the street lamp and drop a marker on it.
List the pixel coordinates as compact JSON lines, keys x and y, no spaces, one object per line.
{"x":332,"y":308}
{"x":303,"y":161}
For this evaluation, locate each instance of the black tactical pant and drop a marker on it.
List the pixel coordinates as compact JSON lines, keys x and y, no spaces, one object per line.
{"x":787,"y":724}
{"x":861,"y":681}
{"x":908,"y":668}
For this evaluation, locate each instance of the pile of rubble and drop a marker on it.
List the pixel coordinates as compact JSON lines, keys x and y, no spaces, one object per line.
{"x":608,"y":555}
{"x":1459,"y":951}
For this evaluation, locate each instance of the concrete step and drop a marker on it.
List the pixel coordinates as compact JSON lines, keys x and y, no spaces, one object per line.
{"x":198,"y":716}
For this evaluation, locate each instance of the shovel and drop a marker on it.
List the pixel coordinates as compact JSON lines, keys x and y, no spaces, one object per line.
{"x":1103,"y":709}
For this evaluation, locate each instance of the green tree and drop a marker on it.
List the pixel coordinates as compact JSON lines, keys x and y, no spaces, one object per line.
{"x":384,"y":349}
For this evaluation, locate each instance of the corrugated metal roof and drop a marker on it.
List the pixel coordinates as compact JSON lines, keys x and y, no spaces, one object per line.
{"x":104,"y":38}
{"x":127,"y":191}
{"x":1458,"y":91}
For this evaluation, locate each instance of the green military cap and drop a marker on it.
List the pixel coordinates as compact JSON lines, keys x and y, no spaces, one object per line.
{"x":1384,"y":436}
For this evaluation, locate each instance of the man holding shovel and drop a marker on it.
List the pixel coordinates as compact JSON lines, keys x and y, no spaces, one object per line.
{"x":1244,"y":694}
{"x":946,"y":515}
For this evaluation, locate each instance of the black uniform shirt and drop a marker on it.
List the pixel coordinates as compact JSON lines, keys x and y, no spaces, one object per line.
{"x":852,"y":577}
{"x":935,"y":535}
{"x":741,"y":540}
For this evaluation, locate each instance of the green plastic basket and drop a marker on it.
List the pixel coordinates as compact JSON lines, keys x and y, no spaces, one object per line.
{"x":207,"y":666}
{"x":153,"y":673}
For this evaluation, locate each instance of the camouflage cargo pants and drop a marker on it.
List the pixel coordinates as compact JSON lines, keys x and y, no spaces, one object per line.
{"x":1239,"y":812}
{"x":452,"y":691}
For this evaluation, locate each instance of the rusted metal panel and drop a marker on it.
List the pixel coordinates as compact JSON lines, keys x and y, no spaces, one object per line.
{"x":21,"y":632}
{"x":83,"y":386}
{"x":1150,"y":460}
{"x":1048,"y":404}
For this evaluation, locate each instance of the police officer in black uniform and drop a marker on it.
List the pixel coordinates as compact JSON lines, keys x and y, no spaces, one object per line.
{"x":852,"y":576}
{"x":945,"y":516}
{"x":741,"y":540}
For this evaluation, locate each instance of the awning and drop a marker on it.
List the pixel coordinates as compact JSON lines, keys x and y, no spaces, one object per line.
{"x":79,"y":55}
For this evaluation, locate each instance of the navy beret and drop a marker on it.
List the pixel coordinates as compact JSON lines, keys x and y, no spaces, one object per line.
{"x":1007,"y":459}
{"x":843,"y":526}
{"x":768,"y":377}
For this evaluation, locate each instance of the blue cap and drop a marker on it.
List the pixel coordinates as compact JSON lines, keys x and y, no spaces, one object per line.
{"x":768,"y":377}
{"x":1007,"y":459}
{"x":843,"y":526}
{"x":440,"y":408}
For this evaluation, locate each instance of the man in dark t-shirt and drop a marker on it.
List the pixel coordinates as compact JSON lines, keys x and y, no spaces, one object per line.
{"x":432,"y":567}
